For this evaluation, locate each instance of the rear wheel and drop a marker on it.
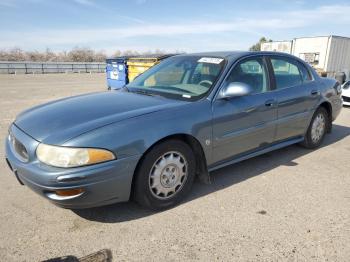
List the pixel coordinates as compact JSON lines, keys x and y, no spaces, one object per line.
{"x":317,"y":129}
{"x":165,"y":175}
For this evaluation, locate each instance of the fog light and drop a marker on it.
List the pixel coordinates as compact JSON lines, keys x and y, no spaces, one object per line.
{"x":69,"y":192}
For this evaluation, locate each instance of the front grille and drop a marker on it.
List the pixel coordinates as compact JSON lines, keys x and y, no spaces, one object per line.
{"x":346,"y":99}
{"x":19,"y":148}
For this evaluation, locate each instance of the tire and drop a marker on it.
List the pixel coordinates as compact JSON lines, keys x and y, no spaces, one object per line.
{"x":317,"y":129}
{"x":165,"y":175}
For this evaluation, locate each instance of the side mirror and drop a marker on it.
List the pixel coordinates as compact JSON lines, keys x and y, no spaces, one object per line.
{"x":235,"y":89}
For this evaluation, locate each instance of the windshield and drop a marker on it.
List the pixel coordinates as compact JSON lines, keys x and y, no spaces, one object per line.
{"x":182,"y":77}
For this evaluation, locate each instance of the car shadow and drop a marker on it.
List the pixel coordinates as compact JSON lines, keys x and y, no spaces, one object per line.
{"x":220,"y":179}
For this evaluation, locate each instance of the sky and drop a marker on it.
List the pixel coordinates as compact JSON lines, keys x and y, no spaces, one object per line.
{"x":168,"y":25}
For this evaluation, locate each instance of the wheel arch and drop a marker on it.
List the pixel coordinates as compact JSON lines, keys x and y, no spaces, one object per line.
{"x":194,"y":144}
{"x":328,"y":107}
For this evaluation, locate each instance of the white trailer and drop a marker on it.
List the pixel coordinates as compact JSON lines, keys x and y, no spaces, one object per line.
{"x":327,"y":54}
{"x":279,"y":46}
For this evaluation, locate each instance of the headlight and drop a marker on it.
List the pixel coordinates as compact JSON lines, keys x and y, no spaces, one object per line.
{"x":71,"y":156}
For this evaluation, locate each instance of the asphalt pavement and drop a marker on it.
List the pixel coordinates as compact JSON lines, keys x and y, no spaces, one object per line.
{"x":289,"y":205}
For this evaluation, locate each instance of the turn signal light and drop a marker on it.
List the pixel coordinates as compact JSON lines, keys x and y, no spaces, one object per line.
{"x":69,"y":192}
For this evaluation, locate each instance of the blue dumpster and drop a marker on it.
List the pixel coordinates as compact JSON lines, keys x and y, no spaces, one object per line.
{"x":117,"y":72}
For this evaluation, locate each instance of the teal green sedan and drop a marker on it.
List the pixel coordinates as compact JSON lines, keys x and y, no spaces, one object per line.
{"x":181,"y":119}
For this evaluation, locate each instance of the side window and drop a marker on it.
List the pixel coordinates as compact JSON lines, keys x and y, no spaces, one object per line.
{"x":251,"y":72}
{"x":305,"y":74}
{"x":287,"y":73}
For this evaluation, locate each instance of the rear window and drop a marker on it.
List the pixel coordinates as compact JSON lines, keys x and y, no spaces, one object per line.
{"x":287,"y":73}
{"x":305,"y":74}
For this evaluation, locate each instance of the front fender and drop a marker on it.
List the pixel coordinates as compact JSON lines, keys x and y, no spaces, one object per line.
{"x":134,"y":136}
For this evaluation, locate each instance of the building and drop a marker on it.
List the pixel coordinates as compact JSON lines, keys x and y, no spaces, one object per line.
{"x":279,"y":46}
{"x":327,"y":54}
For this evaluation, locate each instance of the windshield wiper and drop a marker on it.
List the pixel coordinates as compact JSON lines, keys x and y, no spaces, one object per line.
{"x":180,"y":89}
{"x":142,"y":92}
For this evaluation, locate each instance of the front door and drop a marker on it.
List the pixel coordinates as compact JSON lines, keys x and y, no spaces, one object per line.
{"x":246,"y":123}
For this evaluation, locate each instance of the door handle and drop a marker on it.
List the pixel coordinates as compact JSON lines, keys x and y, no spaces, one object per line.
{"x":270,"y":103}
{"x":314,"y":92}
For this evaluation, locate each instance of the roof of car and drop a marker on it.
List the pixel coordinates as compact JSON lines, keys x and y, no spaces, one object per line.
{"x":220,"y":53}
{"x":236,"y":54}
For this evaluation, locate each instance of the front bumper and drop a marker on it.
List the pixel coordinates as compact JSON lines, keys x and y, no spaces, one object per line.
{"x":346,"y":100}
{"x":346,"y":96}
{"x":102,"y":184}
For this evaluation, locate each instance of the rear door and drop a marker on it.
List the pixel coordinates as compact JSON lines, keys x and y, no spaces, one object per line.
{"x":296,"y":95}
{"x":246,"y":123}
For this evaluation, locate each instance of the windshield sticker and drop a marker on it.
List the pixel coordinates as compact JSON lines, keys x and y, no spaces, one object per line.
{"x":210,"y":60}
{"x":186,"y":96}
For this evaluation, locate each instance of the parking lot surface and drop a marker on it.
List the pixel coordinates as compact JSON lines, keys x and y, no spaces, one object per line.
{"x":289,"y":205}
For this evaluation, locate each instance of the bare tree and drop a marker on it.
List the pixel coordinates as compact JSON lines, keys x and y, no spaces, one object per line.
{"x":62,"y":56}
{"x":117,"y":53}
{"x":130,"y":53}
{"x":35,"y":56}
{"x":50,"y":56}
{"x":4,"y":56}
{"x":16,"y":54}
{"x":100,"y":56}
{"x":77,"y":54}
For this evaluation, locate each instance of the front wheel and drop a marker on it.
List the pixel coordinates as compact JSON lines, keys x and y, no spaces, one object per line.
{"x":165,"y":175}
{"x":317,"y":129}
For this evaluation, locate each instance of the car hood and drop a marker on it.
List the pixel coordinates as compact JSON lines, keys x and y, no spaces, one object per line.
{"x":346,"y":92}
{"x":58,"y":121}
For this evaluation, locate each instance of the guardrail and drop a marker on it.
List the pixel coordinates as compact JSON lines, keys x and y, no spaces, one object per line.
{"x":50,"y":67}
